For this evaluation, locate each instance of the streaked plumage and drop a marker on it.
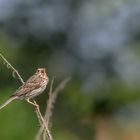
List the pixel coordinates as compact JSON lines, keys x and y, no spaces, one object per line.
{"x":34,"y":86}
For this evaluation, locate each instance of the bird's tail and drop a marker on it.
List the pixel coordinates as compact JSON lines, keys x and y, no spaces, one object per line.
{"x":8,"y":101}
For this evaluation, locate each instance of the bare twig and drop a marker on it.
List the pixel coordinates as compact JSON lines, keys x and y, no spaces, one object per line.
{"x":44,"y":135}
{"x":53,"y":95}
{"x":48,"y":112}
{"x":14,"y":71}
{"x":50,"y":104}
{"x":42,"y":121}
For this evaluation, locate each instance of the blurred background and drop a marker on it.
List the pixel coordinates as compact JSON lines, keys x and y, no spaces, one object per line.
{"x":96,"y":42}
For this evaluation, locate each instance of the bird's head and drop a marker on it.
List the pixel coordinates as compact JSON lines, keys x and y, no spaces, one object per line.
{"x":41,"y":72}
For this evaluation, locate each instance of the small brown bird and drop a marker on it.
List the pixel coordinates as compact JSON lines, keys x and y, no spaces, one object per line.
{"x":34,"y":86}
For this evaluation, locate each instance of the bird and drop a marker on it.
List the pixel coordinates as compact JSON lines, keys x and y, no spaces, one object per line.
{"x":33,"y":87}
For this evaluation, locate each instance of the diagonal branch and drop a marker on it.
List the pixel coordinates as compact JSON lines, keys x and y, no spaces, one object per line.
{"x":14,"y":71}
{"x":52,"y":98}
{"x":50,"y":104}
{"x":42,"y":121}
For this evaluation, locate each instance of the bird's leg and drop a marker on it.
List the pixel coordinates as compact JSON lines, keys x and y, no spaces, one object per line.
{"x":32,"y":103}
{"x":35,"y":103}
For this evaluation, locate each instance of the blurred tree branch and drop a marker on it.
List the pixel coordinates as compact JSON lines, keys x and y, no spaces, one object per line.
{"x":50,"y":105}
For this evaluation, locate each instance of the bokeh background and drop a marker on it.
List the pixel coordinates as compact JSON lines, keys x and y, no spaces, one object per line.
{"x":97,"y":43}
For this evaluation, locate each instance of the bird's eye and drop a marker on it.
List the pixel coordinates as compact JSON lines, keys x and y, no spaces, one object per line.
{"x":42,"y":71}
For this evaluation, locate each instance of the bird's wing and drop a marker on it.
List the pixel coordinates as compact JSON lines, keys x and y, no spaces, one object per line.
{"x":31,"y":84}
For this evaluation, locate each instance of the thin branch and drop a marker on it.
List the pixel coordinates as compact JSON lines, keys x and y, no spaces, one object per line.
{"x":12,"y":68}
{"x":50,"y":104}
{"x":52,"y":99}
{"x":44,"y":135}
{"x":48,"y":112}
{"x":41,"y":119}
{"x":40,"y":131}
